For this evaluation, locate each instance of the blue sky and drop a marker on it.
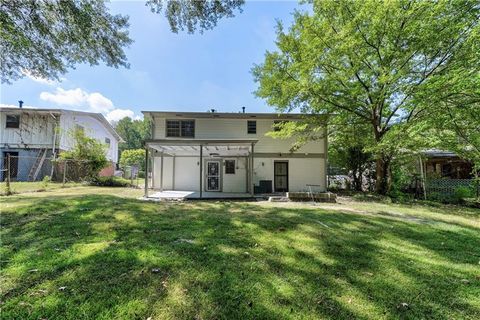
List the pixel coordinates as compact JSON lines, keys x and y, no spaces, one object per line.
{"x":168,"y":71}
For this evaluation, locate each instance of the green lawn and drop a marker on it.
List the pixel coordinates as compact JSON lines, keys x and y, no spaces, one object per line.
{"x":98,"y":253}
{"x":37,"y":186}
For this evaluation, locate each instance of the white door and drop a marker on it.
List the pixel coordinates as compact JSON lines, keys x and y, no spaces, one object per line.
{"x":213,"y":175}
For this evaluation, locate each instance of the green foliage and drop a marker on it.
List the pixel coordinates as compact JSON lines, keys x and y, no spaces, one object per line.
{"x":461,"y":193}
{"x":371,"y":63}
{"x":110,"y":182}
{"x":133,"y":157}
{"x":46,"y":181}
{"x":134,"y":132}
{"x":347,"y":150}
{"x":45,"y":38}
{"x":459,"y":196}
{"x":88,"y":156}
{"x":193,"y":14}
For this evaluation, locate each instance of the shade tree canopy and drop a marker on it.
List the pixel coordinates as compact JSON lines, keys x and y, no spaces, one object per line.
{"x":373,"y":63}
{"x":195,"y":15}
{"x":46,"y":38}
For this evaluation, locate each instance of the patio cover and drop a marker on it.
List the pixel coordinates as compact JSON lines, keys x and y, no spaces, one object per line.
{"x":201,"y":148}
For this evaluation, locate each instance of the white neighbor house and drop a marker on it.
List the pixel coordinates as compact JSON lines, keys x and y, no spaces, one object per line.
{"x":207,"y":153}
{"x":32,"y":135}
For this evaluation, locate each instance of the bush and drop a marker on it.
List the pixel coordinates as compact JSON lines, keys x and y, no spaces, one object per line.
{"x":461,"y":193}
{"x":459,"y":196}
{"x":110,"y":182}
{"x":141,"y":174}
{"x":46,"y":181}
{"x":399,"y":196}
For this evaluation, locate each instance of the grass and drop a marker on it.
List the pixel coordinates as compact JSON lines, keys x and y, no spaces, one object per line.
{"x":37,"y":186}
{"x":98,"y":253}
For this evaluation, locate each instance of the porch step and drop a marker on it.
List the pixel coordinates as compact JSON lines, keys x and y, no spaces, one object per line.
{"x":312,"y":196}
{"x":278,"y":199}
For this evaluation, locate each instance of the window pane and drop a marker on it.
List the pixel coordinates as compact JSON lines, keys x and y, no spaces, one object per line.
{"x":252,"y":127}
{"x":188,"y":128}
{"x":13,"y":121}
{"x":173,"y":128}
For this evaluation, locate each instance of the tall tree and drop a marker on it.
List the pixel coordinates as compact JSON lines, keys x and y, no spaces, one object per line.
{"x":134,"y":132}
{"x":193,"y":14}
{"x":45,"y":38}
{"x":371,"y":61}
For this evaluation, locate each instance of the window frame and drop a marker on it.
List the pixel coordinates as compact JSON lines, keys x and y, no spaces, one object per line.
{"x":254,"y":122}
{"x":7,"y":122}
{"x":181,"y":132}
{"x":230,"y":161}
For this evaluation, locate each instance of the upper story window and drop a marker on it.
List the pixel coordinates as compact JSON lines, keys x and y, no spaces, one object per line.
{"x":181,"y":128}
{"x":13,"y":121}
{"x":107,"y":141}
{"x":229,"y":166}
{"x":251,"y":127}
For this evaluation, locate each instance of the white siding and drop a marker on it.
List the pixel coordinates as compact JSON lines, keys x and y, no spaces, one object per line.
{"x":306,"y":166}
{"x":237,"y":129}
{"x":236,"y":182}
{"x":93,"y":128}
{"x":36,"y":130}
{"x":301,"y":171}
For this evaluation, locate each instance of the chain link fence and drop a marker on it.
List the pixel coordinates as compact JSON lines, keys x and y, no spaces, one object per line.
{"x":134,"y":174}
{"x":20,"y":174}
{"x":450,"y":186}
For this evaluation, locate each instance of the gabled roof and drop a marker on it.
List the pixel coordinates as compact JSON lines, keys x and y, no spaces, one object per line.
{"x":97,"y":116}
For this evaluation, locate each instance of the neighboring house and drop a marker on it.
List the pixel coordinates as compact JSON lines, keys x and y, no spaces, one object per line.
{"x":446,"y":164}
{"x":210,"y":152}
{"x":32,"y":136}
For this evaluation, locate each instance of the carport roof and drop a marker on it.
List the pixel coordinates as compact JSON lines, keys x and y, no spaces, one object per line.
{"x":211,"y":147}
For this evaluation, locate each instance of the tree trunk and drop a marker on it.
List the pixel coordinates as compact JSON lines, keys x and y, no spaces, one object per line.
{"x":383,"y":172}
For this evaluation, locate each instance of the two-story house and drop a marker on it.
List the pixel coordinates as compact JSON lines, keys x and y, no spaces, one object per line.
{"x":208,"y":152}
{"x":33,"y":136}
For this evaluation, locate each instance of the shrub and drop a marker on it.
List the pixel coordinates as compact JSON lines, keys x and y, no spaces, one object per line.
{"x":87,"y":157}
{"x":110,"y":182}
{"x":461,"y":193}
{"x":459,"y":196}
{"x":46,"y":181}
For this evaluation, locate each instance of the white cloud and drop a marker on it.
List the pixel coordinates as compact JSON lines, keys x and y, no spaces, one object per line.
{"x":98,"y":103}
{"x":75,"y":97}
{"x":118,"y":114}
{"x":79,"y":99}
